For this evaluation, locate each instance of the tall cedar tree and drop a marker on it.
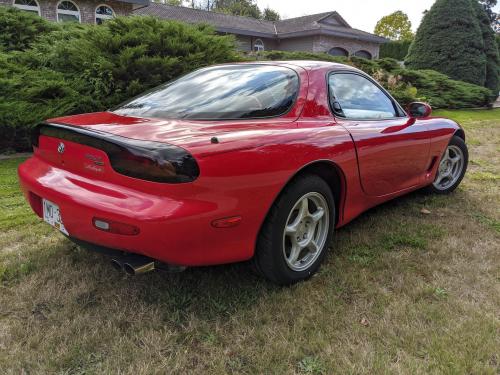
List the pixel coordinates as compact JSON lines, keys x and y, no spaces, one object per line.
{"x":490,"y":49}
{"x":450,"y":41}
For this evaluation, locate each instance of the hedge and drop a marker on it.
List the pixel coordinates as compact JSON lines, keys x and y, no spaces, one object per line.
{"x":70,"y":68}
{"x":456,"y":39}
{"x":397,"y":49}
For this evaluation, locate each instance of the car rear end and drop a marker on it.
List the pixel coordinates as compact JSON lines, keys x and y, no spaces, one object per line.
{"x":119,"y":193}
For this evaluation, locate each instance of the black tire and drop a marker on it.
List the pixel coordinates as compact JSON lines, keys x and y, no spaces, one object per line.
{"x":455,"y":142}
{"x":269,"y":259}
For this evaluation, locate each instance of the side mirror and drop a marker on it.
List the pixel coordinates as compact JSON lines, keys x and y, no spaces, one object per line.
{"x":419,"y":109}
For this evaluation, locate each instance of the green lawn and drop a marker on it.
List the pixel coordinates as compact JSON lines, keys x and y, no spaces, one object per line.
{"x":400,"y":292}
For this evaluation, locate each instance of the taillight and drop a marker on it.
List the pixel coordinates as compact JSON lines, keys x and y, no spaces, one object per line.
{"x":145,"y":160}
{"x":155,"y":162}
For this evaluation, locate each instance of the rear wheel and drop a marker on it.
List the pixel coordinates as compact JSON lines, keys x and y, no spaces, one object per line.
{"x":452,"y":167}
{"x":294,"y":238}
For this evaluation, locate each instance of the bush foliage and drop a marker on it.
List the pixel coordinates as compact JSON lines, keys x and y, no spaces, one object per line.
{"x":20,"y":29}
{"x":397,"y":49}
{"x":53,"y":70}
{"x":455,"y":39}
{"x":491,"y":51}
{"x":83,"y":68}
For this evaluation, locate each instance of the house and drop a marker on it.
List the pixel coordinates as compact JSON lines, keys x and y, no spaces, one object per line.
{"x":323,"y":32}
{"x":85,"y":11}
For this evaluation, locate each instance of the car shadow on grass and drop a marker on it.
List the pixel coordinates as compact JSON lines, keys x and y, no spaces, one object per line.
{"x":210,"y":293}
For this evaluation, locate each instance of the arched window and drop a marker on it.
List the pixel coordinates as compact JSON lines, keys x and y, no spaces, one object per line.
{"x":28,"y":6}
{"x":67,"y":11}
{"x":103,"y":13}
{"x":258,"y":45}
{"x":338,"y":51}
{"x":364,"y":54}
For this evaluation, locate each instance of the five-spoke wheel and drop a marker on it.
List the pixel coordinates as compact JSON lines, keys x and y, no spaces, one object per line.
{"x":297,"y":231}
{"x":306,"y":231}
{"x":451,"y":168}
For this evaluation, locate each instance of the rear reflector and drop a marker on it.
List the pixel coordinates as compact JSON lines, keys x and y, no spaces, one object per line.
{"x":115,"y":227}
{"x":36,"y":203}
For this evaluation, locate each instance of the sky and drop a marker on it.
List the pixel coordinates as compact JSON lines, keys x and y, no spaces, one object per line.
{"x":360,"y":14}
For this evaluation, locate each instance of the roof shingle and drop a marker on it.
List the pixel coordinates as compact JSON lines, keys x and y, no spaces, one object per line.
{"x":292,"y":27}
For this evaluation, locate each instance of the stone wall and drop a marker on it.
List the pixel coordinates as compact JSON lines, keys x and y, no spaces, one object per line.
{"x":296,"y":44}
{"x":323,"y":43}
{"x":87,"y":8}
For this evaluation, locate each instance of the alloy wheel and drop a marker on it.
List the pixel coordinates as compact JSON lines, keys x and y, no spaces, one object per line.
{"x":450,"y":168}
{"x":306,"y":231}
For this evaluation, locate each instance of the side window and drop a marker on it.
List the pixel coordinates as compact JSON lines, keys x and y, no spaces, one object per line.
{"x":354,"y":96}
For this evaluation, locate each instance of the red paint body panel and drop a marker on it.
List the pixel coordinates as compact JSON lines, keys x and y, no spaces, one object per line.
{"x":240,"y":176}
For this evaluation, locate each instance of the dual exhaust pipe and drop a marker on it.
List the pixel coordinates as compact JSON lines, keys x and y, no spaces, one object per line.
{"x":134,"y":264}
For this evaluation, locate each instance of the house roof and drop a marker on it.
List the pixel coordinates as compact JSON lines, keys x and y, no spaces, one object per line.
{"x":222,"y":22}
{"x":137,"y":2}
{"x":328,"y":23}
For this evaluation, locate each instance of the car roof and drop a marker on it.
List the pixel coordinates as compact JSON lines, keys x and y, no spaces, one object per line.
{"x":307,"y":64}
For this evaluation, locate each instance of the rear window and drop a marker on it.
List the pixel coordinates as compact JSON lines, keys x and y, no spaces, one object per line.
{"x":221,"y":92}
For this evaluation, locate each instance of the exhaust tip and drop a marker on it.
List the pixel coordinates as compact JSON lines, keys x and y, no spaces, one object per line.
{"x":135,"y":269}
{"x":116,"y":264}
{"x":128,"y":269}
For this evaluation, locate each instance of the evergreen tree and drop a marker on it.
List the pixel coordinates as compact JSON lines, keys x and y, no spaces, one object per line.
{"x":490,"y":49}
{"x":450,"y":41}
{"x":270,"y":15}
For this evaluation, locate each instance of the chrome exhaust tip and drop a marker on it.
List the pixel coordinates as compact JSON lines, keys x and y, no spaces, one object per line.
{"x":136,"y":264}
{"x":116,"y":264}
{"x":136,"y":268}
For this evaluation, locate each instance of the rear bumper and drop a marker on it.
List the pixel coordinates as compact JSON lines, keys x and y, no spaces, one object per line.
{"x":172,"y":230}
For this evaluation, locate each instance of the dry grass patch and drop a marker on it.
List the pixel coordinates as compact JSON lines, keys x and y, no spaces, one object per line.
{"x":401,"y":292}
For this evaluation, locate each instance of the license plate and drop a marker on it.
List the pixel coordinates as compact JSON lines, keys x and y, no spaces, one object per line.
{"x":52,"y":215}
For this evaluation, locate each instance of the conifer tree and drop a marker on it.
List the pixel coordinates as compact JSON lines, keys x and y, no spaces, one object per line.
{"x":490,"y":49}
{"x":450,"y":41}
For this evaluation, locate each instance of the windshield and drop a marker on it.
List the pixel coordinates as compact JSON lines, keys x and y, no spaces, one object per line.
{"x":221,"y":92}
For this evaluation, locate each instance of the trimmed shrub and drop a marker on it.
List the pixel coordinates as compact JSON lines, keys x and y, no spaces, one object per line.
{"x":450,"y":41}
{"x":18,"y":29}
{"x":442,"y":92}
{"x":85,"y":68}
{"x":490,"y":49}
{"x":397,"y":49}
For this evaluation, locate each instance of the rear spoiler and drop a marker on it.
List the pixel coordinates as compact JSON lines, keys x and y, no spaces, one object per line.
{"x":146,"y":160}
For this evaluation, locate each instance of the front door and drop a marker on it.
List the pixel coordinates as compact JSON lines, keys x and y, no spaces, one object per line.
{"x":392,"y":149}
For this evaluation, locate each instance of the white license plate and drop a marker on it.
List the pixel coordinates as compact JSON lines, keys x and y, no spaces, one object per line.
{"x":52,"y":215}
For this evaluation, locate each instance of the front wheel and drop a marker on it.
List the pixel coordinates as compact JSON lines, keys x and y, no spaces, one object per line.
{"x":294,"y":238}
{"x":452,"y":167}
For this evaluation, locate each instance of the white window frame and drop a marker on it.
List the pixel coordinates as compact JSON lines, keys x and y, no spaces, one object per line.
{"x":68,"y":12}
{"x":27,"y":7}
{"x":258,"y":45}
{"x":101,"y":16}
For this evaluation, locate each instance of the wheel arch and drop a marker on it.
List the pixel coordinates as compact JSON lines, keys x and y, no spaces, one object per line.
{"x":333,"y":176}
{"x":460,"y":133}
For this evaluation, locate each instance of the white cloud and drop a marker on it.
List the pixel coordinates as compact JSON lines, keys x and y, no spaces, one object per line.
{"x":360,"y":14}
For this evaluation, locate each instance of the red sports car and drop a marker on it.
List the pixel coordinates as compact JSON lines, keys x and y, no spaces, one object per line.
{"x":235,"y":162}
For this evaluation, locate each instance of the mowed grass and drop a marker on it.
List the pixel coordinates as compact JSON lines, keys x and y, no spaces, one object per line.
{"x":400,"y":292}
